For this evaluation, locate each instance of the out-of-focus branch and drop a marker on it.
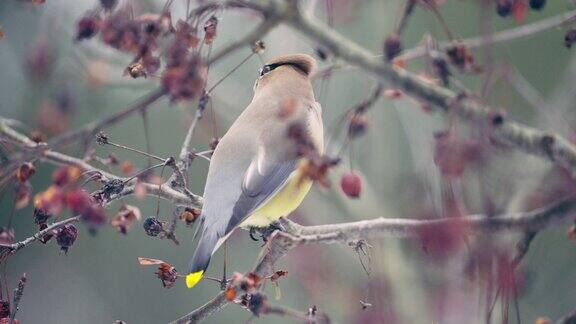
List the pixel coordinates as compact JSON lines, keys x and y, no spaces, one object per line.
{"x":567,"y":319}
{"x":264,"y":28}
{"x":282,"y":311}
{"x":282,"y":242}
{"x":499,"y":37}
{"x":530,"y":140}
{"x":94,"y":127}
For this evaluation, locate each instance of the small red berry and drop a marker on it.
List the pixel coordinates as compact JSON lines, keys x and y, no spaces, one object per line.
{"x":351,"y":185}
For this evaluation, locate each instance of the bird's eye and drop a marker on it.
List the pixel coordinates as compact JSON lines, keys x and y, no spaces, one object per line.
{"x":265,"y":69}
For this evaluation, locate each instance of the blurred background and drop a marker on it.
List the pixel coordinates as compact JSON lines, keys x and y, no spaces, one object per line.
{"x":53,"y":84}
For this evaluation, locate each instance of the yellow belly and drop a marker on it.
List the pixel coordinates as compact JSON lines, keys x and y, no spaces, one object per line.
{"x":282,"y":204}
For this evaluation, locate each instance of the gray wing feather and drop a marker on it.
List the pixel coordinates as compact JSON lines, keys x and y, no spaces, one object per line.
{"x":257,"y":195}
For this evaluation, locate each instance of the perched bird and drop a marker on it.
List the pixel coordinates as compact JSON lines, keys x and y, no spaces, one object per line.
{"x":254,"y":176}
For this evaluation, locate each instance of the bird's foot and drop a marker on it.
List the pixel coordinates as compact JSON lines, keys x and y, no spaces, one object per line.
{"x":253,"y":231}
{"x":265,"y":232}
{"x":273,"y":227}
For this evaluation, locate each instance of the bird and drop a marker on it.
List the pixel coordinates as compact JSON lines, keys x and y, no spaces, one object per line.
{"x":255,"y":174}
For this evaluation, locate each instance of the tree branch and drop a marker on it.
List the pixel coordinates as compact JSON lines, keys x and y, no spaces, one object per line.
{"x":94,"y":127}
{"x":282,"y":242}
{"x":499,"y":37}
{"x":530,"y":140}
{"x":44,"y":153}
{"x":22,"y":244}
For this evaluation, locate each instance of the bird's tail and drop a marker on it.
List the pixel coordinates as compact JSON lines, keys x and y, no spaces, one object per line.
{"x":201,"y":259}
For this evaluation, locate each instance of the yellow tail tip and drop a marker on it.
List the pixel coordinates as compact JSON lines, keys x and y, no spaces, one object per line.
{"x":193,"y":278}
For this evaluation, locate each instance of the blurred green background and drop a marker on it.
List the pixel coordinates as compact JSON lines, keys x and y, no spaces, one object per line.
{"x":99,"y":280}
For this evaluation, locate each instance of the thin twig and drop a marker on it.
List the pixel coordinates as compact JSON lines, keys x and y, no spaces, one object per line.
{"x":38,"y":235}
{"x":318,"y":318}
{"x":18,"y":292}
{"x":94,"y":127}
{"x":499,"y":37}
{"x":530,"y":140}
{"x":166,"y":192}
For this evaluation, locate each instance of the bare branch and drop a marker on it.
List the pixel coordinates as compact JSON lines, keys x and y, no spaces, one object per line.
{"x":530,"y":140}
{"x":282,"y":242}
{"x":38,"y":235}
{"x":499,"y":37}
{"x":43,"y":152}
{"x":95,"y":127}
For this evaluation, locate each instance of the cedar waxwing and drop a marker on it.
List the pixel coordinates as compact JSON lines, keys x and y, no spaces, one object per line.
{"x":253,"y":178}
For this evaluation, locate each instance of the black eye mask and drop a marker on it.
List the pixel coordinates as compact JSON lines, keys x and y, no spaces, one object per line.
{"x":269,"y":67}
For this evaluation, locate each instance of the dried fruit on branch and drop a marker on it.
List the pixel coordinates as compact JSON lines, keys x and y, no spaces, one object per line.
{"x":41,"y":216}
{"x":166,"y":272}
{"x":392,"y":46}
{"x":316,"y":168}
{"x":25,"y":171}
{"x":210,"y":30}
{"x":190,"y":215}
{"x":126,"y":217}
{"x":186,"y":80}
{"x":153,"y":227}
{"x":87,"y":27}
{"x":66,"y":236}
